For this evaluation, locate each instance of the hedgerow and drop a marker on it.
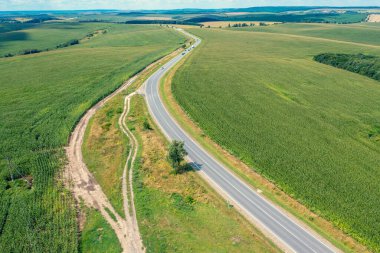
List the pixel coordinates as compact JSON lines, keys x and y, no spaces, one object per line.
{"x":366,"y":65}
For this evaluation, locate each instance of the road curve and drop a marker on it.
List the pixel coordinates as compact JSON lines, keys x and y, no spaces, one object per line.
{"x":290,"y":234}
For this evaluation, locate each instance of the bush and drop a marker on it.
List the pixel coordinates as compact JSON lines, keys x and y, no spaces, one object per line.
{"x":146,"y":125}
{"x":69,"y":43}
{"x":30,"y":51}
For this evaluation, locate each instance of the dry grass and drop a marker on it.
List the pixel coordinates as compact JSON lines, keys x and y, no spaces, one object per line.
{"x":154,"y":156}
{"x":104,"y":150}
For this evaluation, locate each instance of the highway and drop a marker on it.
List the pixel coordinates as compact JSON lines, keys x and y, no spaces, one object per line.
{"x":289,"y":234}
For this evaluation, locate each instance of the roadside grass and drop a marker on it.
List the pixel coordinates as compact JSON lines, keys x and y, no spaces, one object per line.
{"x":97,"y":235}
{"x":305,"y":128}
{"x":105,"y":147}
{"x":43,"y":96}
{"x":104,"y":151}
{"x":181,"y":213}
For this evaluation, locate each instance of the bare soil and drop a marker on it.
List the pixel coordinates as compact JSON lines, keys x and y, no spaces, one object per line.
{"x":373,"y":18}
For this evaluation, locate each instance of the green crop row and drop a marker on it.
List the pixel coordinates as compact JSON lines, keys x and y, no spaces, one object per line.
{"x":308,"y":127}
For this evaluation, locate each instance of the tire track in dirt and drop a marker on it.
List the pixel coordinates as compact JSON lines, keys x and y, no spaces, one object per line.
{"x":128,"y":196}
{"x":85,"y":188}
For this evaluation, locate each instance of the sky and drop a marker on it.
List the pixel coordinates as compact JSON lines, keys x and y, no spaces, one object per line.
{"x":9,"y":5}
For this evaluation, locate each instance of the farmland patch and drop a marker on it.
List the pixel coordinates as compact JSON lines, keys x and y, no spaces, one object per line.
{"x":256,"y":91}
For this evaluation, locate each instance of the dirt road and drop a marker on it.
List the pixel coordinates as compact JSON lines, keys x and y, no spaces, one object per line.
{"x":86,"y":189}
{"x":128,"y":197}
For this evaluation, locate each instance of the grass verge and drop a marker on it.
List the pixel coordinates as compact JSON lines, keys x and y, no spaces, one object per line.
{"x":104,"y":151}
{"x":105,"y":147}
{"x":97,"y":234}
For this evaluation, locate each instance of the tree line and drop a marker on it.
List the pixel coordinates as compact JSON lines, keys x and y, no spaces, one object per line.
{"x":366,"y":65}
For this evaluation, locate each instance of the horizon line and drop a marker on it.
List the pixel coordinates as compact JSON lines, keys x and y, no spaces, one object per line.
{"x":225,"y":8}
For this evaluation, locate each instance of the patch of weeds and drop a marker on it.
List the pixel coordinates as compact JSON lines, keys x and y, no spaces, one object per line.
{"x":119,"y":110}
{"x":181,"y":203}
{"x":107,"y":126}
{"x":146,"y":125}
{"x":110,"y":113}
{"x":374,"y":134}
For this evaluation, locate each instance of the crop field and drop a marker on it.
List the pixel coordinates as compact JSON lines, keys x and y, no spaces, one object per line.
{"x":306,"y":126}
{"x":15,"y":38}
{"x":360,"y":33}
{"x":43,"y":96}
{"x":317,"y":17}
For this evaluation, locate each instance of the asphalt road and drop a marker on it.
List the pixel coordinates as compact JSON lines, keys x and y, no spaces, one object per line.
{"x":288,"y":232}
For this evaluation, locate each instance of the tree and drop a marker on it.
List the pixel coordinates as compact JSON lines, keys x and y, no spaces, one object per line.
{"x":176,"y":154}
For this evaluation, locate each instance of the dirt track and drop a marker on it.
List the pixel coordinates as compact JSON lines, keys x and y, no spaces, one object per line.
{"x":128,"y":198}
{"x":86,"y":189}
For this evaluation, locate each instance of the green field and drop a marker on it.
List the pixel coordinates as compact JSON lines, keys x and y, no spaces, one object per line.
{"x":15,"y":38}
{"x":304,"y":125}
{"x":359,"y":33}
{"x":43,"y":96}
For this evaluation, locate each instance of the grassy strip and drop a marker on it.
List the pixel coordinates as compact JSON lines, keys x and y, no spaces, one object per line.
{"x":104,"y":151}
{"x":181,"y":213}
{"x":105,"y":147}
{"x":97,"y":234}
{"x":320,"y":225}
